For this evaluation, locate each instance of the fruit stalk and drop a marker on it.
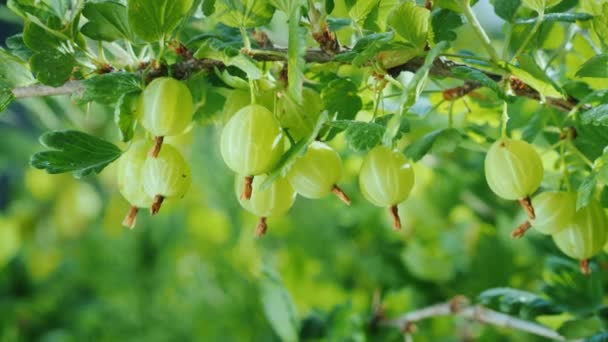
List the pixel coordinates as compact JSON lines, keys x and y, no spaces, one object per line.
{"x":156,"y":204}
{"x":584,"y":265}
{"x":341,"y":194}
{"x":521,"y":230}
{"x":394,"y":211}
{"x":526,"y":203}
{"x":129,"y":220}
{"x":261,"y":227}
{"x":158,"y":143}
{"x":247,"y":188}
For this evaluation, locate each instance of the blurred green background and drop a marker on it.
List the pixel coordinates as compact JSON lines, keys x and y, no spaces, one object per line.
{"x":70,"y":272}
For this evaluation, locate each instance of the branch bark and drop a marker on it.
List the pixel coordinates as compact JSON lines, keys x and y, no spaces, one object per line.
{"x":477,"y":313}
{"x":441,"y":68}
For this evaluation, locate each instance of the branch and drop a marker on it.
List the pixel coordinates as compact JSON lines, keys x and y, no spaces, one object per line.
{"x":472,"y":312}
{"x":182,"y":70}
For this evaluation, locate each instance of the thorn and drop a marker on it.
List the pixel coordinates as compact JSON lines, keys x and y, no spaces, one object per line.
{"x":526,"y":203}
{"x":261,"y":227}
{"x":521,"y":230}
{"x":585,"y":269}
{"x":155,"y":207}
{"x":247,"y":188}
{"x":394,"y":211}
{"x":341,"y":194}
{"x":129,"y":220}
{"x":158,"y":143}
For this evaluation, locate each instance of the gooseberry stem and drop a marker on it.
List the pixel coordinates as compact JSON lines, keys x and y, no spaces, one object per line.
{"x":261,"y":227}
{"x":156,"y":204}
{"x":483,"y":36}
{"x":535,"y":28}
{"x":158,"y":143}
{"x":341,"y":194}
{"x":247,"y":188}
{"x":129,"y":220}
{"x":521,"y":230}
{"x":526,"y":203}
{"x":585,"y":269}
{"x":394,"y":211}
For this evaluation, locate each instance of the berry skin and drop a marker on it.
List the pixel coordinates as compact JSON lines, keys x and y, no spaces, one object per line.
{"x":315,"y":174}
{"x":130,"y":181}
{"x":513,"y":169}
{"x":167,"y":176}
{"x":386,"y":179}
{"x":272,"y":201}
{"x":166,"y":107}
{"x":586,"y":234}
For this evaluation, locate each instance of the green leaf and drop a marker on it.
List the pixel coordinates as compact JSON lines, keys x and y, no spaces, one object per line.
{"x":600,"y":25}
{"x":295,"y":53}
{"x":580,"y":328}
{"x":18,"y":48}
{"x":591,"y":139}
{"x":52,"y":68}
{"x":341,"y":98}
{"x":601,"y":337}
{"x":558,"y":17}
{"x":244,"y":13}
{"x":597,"y":116}
{"x":153,"y":19}
{"x":530,"y":73}
{"x":6,"y":98}
{"x":361,"y":9}
{"x":540,"y":5}
{"x":278,"y":306}
{"x":604,"y":197}
{"x":596,"y":66}
{"x":442,"y":140}
{"x":586,"y":190}
{"x":74,"y":151}
{"x":38,"y":39}
{"x":467,"y":73}
{"x":506,"y":9}
{"x":216,"y":49}
{"x":125,"y":114}
{"x":108,"y":88}
{"x":13,"y":71}
{"x":517,"y":302}
{"x":208,"y":7}
{"x":443,"y":24}
{"x":107,"y":21}
{"x":411,"y":23}
{"x":363,"y":136}
{"x":295,"y":151}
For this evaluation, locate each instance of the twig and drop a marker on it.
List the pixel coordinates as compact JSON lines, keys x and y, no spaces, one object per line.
{"x":473,"y":312}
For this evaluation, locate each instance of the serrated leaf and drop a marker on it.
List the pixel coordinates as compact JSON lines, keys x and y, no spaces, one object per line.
{"x":107,"y":21}
{"x":152,"y":19}
{"x":278,"y":306}
{"x":74,"y":151}
{"x":341,"y":97}
{"x":411,"y":23}
{"x":108,"y":88}
{"x":363,"y":136}
{"x":296,"y":150}
{"x":244,"y":13}
{"x":361,"y":9}
{"x":580,"y":328}
{"x":517,"y":302}
{"x":125,"y":114}
{"x":478,"y":76}
{"x":530,"y":73}
{"x":586,"y":190}
{"x":597,"y":116}
{"x":558,"y":17}
{"x":13,"y":71}
{"x":506,"y":9}
{"x":443,"y":23}
{"x":52,"y":67}
{"x":596,"y":66}
{"x":6,"y":98}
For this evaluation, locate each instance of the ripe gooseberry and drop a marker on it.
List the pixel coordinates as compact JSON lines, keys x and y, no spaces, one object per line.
{"x":553,"y":210}
{"x":514,"y":171}
{"x":167,"y":176}
{"x":386,"y":179}
{"x":130,"y":181}
{"x":272,"y":201}
{"x":315,"y":174}
{"x":251,"y":143}
{"x":166,"y":109}
{"x":586,"y":234}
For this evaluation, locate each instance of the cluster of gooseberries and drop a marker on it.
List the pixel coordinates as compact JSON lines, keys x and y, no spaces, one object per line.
{"x":514,"y":171}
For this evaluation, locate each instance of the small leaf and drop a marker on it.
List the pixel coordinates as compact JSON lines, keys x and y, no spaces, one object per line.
{"x":558,"y":17}
{"x":341,"y":97}
{"x":597,"y":116}
{"x":52,"y":68}
{"x":586,"y":190}
{"x":108,"y":88}
{"x":38,"y":39}
{"x":363,"y":136}
{"x":506,"y":9}
{"x":244,"y":13}
{"x":360,"y":9}
{"x":125,"y":114}
{"x":443,"y":23}
{"x":366,"y":48}
{"x":411,"y":23}
{"x":74,"y":151}
{"x":13,"y":71}
{"x":153,"y":19}
{"x":107,"y":21}
{"x":18,"y":48}
{"x":596,"y":66}
{"x":580,"y":328}
{"x":540,"y":5}
{"x":478,"y":76}
{"x":517,"y":302}
{"x":278,"y":306}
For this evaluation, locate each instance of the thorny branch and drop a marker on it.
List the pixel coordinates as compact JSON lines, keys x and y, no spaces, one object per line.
{"x":441,"y":68}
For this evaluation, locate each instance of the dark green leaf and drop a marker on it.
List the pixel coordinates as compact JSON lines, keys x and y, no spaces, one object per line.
{"x":404,"y":127}
{"x":6,"y":98}
{"x":366,"y":48}
{"x":244,"y":13}
{"x":558,"y":17}
{"x":74,"y":151}
{"x":216,"y":49}
{"x":107,"y":21}
{"x":444,"y":22}
{"x":596,"y":116}
{"x":517,"y":302}
{"x":580,"y":328}
{"x":52,"y":68}
{"x":596,"y":66}
{"x":341,"y":98}
{"x":208,"y":7}
{"x":212,"y":106}
{"x":439,"y":140}
{"x":363,"y":136}
{"x":278,"y":306}
{"x":586,"y":190}
{"x":506,"y":9}
{"x":604,"y":197}
{"x":478,"y":76}
{"x":153,"y":19}
{"x":601,"y":337}
{"x":125,"y":114}
{"x":590,"y":139}
{"x":108,"y":88}
{"x":38,"y":39}
{"x":335,"y":24}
